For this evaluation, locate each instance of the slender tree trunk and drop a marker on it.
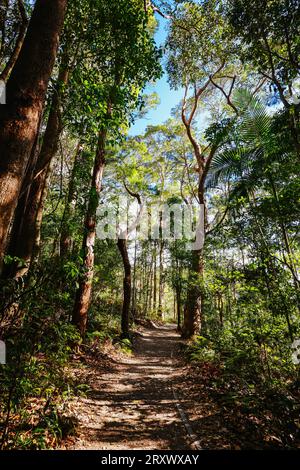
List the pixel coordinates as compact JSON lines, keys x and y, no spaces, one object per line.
{"x":150,"y":277}
{"x":220,"y":307}
{"x":66,"y":232}
{"x":178,"y":304}
{"x":139,"y":285}
{"x":155,"y":279}
{"x":134,"y":282}
{"x":144,"y":286}
{"x":83,"y":294}
{"x":26,"y":90}
{"x":161,"y":279}
{"x":39,"y":216}
{"x":290,"y":254}
{"x":122,"y":245}
{"x":193,"y":316}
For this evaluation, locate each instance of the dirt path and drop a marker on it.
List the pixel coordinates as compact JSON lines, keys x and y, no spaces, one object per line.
{"x":132,"y":406}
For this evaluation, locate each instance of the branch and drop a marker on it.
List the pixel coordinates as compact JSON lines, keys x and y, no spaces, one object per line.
{"x":187,"y":122}
{"x":19,"y":43}
{"x":260,"y":84}
{"x":157,"y":10}
{"x":273,"y":77}
{"x":227,"y":95}
{"x":219,"y":223}
{"x":138,"y":218}
{"x":181,"y":187}
{"x":136,"y":195}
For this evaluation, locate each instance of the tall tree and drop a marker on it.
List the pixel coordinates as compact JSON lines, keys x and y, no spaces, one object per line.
{"x":123,"y":248}
{"x":131,"y":58}
{"x":26,"y":90}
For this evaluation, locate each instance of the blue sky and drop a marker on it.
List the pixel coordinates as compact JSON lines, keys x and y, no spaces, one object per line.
{"x":168,"y":98}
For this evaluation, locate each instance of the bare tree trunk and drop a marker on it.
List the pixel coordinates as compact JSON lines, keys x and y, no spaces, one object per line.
{"x":66,"y":235}
{"x":134,"y":282}
{"x":178,"y":290}
{"x":178,"y":304}
{"x":36,"y":188}
{"x":26,"y":90}
{"x":39,"y":216}
{"x":144,"y":286}
{"x":161,"y":279}
{"x":83,"y":294}
{"x":155,"y":279}
{"x":122,"y":245}
{"x":150,"y":277}
{"x":193,"y":315}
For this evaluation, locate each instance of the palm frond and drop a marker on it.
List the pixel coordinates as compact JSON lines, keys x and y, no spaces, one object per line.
{"x":231,"y":165}
{"x":255,"y":122}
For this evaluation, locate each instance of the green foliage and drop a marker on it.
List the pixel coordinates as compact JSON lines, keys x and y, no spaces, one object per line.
{"x":201,"y":350}
{"x":268,"y":33}
{"x":242,"y":58}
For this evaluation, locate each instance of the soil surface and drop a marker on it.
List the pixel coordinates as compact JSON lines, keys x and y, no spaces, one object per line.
{"x":132,"y":405}
{"x":153,"y":400}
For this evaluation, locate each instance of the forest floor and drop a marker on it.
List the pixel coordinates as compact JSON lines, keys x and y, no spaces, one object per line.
{"x":131,"y":404}
{"x":154,"y":400}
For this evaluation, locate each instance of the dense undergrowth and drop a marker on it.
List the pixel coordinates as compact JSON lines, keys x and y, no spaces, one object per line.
{"x":37,"y":382}
{"x":259,"y":403}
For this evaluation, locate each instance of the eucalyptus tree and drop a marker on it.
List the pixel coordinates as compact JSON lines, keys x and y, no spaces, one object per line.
{"x":26,"y":91}
{"x":152,"y":166}
{"x":128,"y":58}
{"x":268,"y":34}
{"x":201,"y":60}
{"x":25,"y":232}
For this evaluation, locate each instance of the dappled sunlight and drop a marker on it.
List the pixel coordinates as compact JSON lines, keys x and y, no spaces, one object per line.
{"x":133,"y":407}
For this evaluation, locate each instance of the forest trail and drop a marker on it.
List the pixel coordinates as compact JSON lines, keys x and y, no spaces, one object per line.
{"x":132,"y":406}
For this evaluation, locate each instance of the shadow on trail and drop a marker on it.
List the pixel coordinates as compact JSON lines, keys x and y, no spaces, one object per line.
{"x":132,"y":406}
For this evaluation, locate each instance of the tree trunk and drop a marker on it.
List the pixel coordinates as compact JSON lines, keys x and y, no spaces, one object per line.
{"x":122,"y":245}
{"x":83,"y":294}
{"x":161,"y":280}
{"x":155,"y":280}
{"x":26,"y":90}
{"x":39,"y":216}
{"x":150,"y":278}
{"x":24,"y":244}
{"x":178,"y":303}
{"x":193,"y":314}
{"x":134,"y":283}
{"x":66,"y":233}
